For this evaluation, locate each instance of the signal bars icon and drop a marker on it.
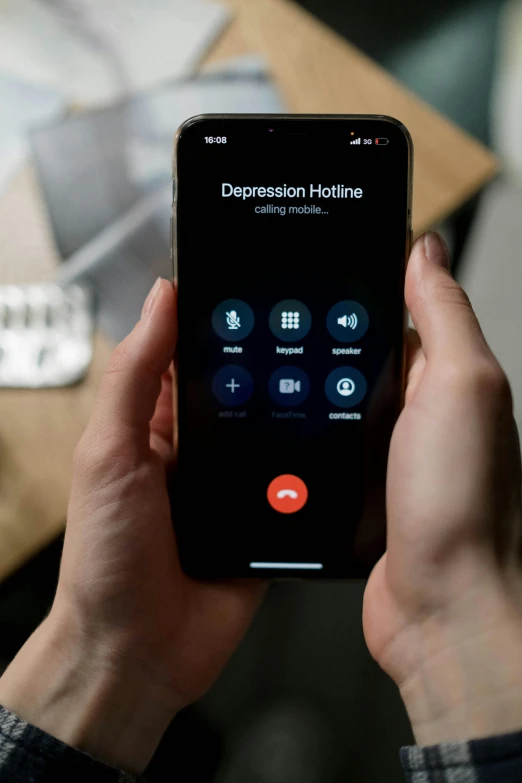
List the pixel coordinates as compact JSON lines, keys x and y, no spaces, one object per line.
{"x":356,"y":141}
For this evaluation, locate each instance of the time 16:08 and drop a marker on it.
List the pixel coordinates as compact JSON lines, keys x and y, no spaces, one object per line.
{"x":216,"y":139}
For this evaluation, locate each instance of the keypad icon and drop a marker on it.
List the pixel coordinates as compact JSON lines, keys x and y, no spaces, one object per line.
{"x":290,"y":320}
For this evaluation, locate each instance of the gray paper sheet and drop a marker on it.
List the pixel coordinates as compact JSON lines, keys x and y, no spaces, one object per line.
{"x":106,"y":177}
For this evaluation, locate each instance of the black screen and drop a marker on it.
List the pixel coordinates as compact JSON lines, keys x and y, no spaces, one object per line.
{"x":290,"y":247}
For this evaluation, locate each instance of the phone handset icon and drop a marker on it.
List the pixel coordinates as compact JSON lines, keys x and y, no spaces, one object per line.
{"x":287,"y":493}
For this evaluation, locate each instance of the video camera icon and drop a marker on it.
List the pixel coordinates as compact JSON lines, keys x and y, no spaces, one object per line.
{"x":289,"y":386}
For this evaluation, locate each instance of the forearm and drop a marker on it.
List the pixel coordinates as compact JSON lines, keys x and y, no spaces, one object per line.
{"x":469,"y":682}
{"x":97,"y":703}
{"x":465,"y":698}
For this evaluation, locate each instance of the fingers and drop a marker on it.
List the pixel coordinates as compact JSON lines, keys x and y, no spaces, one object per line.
{"x":439,"y":308}
{"x":416,"y":362}
{"x":414,"y":345}
{"x":162,"y":424}
{"x":132,"y":382}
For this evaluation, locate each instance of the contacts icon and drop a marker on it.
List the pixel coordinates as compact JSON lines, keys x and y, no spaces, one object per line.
{"x":345,"y":387}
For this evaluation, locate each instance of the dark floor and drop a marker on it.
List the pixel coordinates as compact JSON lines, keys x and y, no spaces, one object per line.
{"x":26,"y":598}
{"x":302,"y":701}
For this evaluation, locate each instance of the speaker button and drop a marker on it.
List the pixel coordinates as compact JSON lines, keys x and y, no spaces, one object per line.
{"x":347,"y":321}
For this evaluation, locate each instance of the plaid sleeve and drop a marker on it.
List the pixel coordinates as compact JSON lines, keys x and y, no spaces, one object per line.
{"x":29,"y":755}
{"x":489,"y":760}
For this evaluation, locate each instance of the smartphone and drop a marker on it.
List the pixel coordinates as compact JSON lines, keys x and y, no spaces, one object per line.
{"x":290,"y":241}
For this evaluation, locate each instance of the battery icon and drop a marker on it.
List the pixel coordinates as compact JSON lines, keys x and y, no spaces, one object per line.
{"x":383,"y":142}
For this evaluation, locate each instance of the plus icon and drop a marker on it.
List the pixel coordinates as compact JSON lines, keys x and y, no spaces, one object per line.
{"x":233,"y":385}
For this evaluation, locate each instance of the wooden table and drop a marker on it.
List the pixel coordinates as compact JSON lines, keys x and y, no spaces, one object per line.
{"x":318,"y":72}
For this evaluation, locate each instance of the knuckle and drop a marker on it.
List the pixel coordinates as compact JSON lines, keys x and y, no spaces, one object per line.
{"x":103,"y":459}
{"x":489,"y":379}
{"x":448,"y":292}
{"x":119,"y":359}
{"x":126,"y":361}
{"x":441,"y":292}
{"x":87,"y":459}
{"x":494,"y":382}
{"x":81,"y":457}
{"x":482,"y":378}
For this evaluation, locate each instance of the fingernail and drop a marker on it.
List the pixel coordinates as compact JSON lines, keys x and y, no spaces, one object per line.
{"x":151,"y":298}
{"x":436,"y":249}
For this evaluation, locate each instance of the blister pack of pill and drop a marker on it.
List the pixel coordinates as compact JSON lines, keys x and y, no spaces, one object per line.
{"x":45,"y":335}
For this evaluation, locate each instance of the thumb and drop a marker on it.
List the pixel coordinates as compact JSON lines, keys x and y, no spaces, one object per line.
{"x":439,"y":307}
{"x":132,"y":381}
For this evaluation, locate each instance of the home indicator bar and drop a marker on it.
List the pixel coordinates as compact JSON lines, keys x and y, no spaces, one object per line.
{"x":308,"y":566}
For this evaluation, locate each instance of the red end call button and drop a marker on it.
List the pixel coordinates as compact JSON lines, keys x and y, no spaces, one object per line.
{"x":287,"y":494}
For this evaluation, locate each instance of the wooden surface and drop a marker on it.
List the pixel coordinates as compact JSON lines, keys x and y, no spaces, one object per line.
{"x":317,"y":72}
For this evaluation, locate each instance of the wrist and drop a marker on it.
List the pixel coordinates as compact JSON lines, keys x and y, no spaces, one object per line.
{"x":466,"y":680}
{"x":90,"y":698}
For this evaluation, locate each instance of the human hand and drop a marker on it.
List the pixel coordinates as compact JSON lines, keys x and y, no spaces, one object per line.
{"x":130,"y":638}
{"x":443,"y":608}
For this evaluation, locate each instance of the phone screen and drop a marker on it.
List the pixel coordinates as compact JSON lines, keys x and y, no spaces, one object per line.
{"x":290,"y":246}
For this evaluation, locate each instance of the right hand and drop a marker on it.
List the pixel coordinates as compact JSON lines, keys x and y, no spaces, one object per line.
{"x":443,"y":608}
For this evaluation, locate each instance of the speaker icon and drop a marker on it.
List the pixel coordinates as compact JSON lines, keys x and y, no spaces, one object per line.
{"x":347,"y":321}
{"x":350,"y":321}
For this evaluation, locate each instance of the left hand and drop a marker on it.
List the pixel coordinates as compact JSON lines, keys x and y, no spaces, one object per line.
{"x":130,"y":638}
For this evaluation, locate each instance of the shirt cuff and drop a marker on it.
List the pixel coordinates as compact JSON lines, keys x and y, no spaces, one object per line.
{"x":30,"y":754}
{"x":490,"y":760}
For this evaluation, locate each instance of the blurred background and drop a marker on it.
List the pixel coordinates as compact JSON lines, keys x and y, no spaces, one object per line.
{"x":91,"y":93}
